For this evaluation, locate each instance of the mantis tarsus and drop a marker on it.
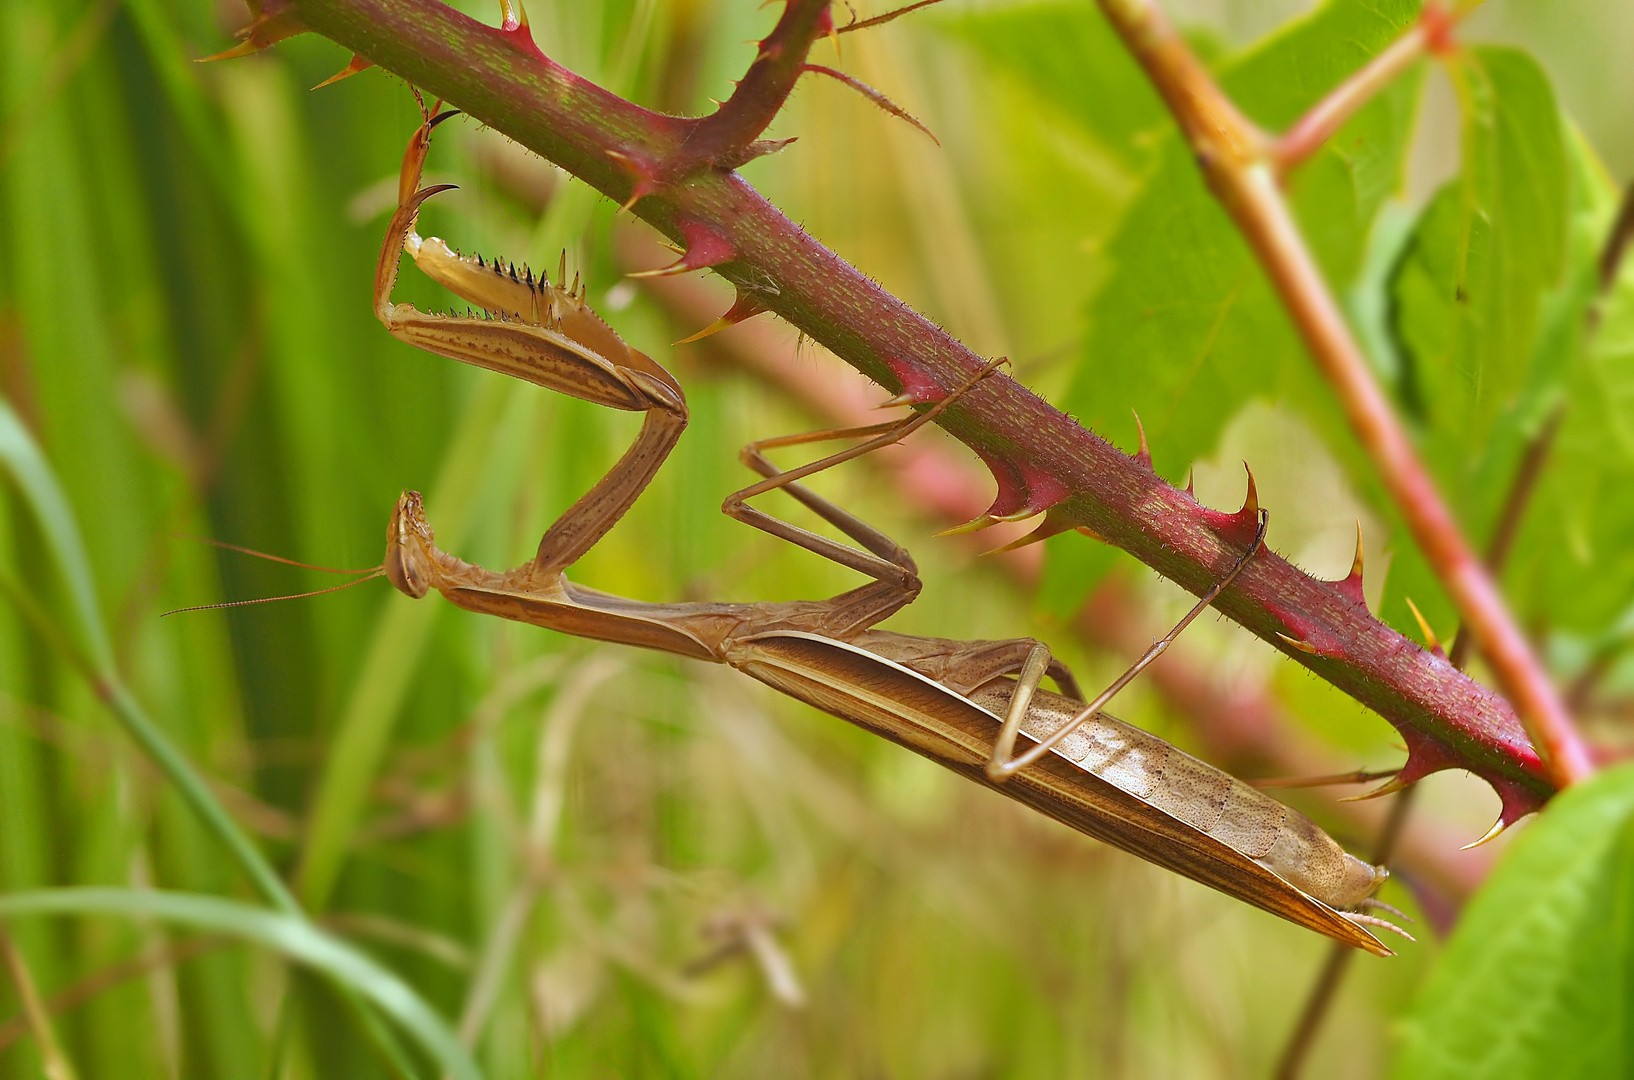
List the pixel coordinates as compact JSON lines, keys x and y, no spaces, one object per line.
{"x":960,"y":703}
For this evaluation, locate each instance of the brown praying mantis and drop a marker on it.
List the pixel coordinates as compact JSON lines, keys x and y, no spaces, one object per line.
{"x":962,"y":704}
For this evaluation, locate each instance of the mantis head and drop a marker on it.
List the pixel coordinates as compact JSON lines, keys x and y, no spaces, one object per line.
{"x":410,"y":547}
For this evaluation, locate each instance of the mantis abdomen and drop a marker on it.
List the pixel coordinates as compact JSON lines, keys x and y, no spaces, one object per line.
{"x":1111,"y":781}
{"x":1248,"y":821}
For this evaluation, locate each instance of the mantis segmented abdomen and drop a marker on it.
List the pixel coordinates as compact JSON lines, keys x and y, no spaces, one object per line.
{"x":1213,"y":802}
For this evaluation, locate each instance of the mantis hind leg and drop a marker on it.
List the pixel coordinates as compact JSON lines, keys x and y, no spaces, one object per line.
{"x":1001,"y":766}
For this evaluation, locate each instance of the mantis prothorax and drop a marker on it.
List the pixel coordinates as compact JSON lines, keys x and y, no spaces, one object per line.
{"x":961,"y":703}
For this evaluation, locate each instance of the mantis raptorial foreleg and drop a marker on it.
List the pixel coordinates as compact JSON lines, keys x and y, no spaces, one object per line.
{"x":534,"y":330}
{"x":941,"y":698}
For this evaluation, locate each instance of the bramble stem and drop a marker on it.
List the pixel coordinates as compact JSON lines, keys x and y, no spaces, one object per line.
{"x":1041,"y":457}
{"x":1238,"y":166}
{"x":1238,"y":727}
{"x":726,"y":136}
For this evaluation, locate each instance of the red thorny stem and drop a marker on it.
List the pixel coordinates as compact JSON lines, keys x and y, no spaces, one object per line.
{"x":727,"y":137}
{"x":1242,"y":729}
{"x":1332,"y":975}
{"x":1041,"y":458}
{"x":1239,"y":165}
{"x":1527,"y":474}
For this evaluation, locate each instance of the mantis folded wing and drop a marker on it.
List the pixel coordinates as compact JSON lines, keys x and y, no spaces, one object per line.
{"x":952,"y":701}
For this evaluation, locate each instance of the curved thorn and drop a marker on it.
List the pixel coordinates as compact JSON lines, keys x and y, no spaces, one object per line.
{"x":1356,"y":563}
{"x":1389,"y":787}
{"x":709,"y":331}
{"x":1491,"y":834}
{"x":356,"y":65}
{"x":1144,"y":453}
{"x":1036,"y":536}
{"x":873,"y":95}
{"x":243,"y":48}
{"x":1251,"y":500}
{"x":1430,"y":640}
{"x":1191,"y":480}
{"x":679,"y":266}
{"x":975,"y":525}
{"x":1302,"y":646}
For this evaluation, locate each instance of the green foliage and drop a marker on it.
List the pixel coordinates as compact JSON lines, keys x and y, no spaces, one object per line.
{"x":552,"y":841}
{"x":1188,"y":329}
{"x":1535,"y":982}
{"x":292,"y":936}
{"x":1469,"y":295}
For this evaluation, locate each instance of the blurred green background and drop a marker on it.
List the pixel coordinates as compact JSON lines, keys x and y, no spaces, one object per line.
{"x":608,"y":863}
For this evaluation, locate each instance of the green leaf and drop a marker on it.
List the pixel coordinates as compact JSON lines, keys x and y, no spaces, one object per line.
{"x":1573,"y":567}
{"x":1071,"y":59}
{"x":1484,"y":344}
{"x":1487,"y":249}
{"x":292,"y":936}
{"x":1189,"y":329}
{"x":22,"y":461}
{"x":1535,"y":981}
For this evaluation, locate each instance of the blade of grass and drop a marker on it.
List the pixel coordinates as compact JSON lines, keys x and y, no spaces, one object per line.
{"x":88,"y":649}
{"x":54,"y":1062}
{"x":290,"y":935}
{"x":399,"y":639}
{"x":92,"y":656}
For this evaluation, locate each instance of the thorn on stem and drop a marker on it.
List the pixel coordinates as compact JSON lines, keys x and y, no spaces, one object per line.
{"x":266,"y":29}
{"x":1351,"y":584}
{"x":976,"y":524}
{"x":918,"y":387}
{"x":1251,"y":498}
{"x":1432,"y":642}
{"x":704,"y":248}
{"x":748,"y":153}
{"x":1024,"y":489}
{"x":746,"y":306}
{"x":643,"y":177}
{"x":358,"y":63}
{"x":873,"y":95}
{"x":1302,"y":646}
{"x":1144,"y":454}
{"x":1242,"y":525}
{"x":1491,"y":834}
{"x":1389,"y":787}
{"x":1054,"y":524}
